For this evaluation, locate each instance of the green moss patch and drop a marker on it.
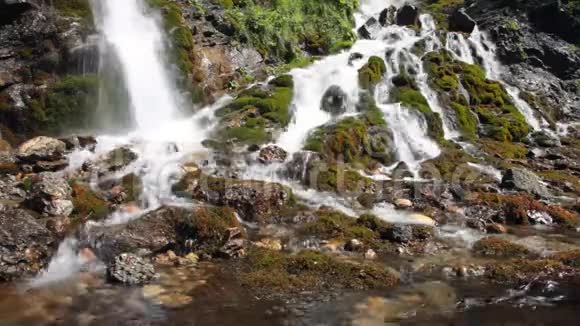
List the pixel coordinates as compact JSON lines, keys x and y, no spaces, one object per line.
{"x":74,"y":8}
{"x":310,"y":270}
{"x":440,"y":10}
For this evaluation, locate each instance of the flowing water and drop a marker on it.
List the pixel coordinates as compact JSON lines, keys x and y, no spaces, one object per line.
{"x":163,"y":139}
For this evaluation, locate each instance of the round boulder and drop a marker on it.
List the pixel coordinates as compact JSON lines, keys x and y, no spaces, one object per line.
{"x":131,"y":270}
{"x":334,"y":101}
{"x":272,"y":154}
{"x":460,"y":21}
{"x":408,"y":15}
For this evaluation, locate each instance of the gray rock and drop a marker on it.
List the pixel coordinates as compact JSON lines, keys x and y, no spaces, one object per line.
{"x":11,"y":189}
{"x":544,"y":139}
{"x":50,"y":195}
{"x":524,"y":180}
{"x":354,"y":245}
{"x":131,"y":269}
{"x":43,"y":153}
{"x":334,"y":101}
{"x":25,"y":244}
{"x":272,"y":154}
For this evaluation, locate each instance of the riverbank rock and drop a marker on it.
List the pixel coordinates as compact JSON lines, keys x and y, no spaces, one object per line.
{"x":272,"y":154}
{"x":25,"y":244}
{"x":43,"y":154}
{"x":203,"y":230}
{"x":130,"y":269}
{"x":524,"y":180}
{"x":402,"y":203}
{"x":334,"y":101}
{"x":50,"y":195}
{"x":369,"y":29}
{"x":11,"y":189}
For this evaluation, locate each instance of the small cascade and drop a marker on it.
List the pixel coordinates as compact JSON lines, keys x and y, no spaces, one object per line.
{"x":464,"y":49}
{"x":409,"y":129}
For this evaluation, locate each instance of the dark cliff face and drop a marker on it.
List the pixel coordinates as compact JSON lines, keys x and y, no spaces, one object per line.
{"x":538,"y":40}
{"x":43,"y":52}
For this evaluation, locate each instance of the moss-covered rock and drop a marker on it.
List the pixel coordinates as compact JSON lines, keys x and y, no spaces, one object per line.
{"x":362,"y":141}
{"x":87,"y":203}
{"x":370,"y":230}
{"x":208,"y":227}
{"x":371,"y":73}
{"x":451,"y":165}
{"x":498,"y":117}
{"x":70,"y":104}
{"x":516,"y":208}
{"x":523,"y":270}
{"x":498,"y":247}
{"x":569,"y":258}
{"x":276,"y":271}
{"x":440,"y":10}
{"x":74,"y":8}
{"x":248,"y":118}
{"x":279,"y":30}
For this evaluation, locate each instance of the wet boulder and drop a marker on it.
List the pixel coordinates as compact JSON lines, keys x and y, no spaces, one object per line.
{"x":524,"y":180}
{"x":387,"y":16}
{"x":272,"y":154}
{"x":369,"y":29}
{"x":407,"y":233}
{"x":255,"y":201}
{"x":460,"y":21}
{"x":334,"y":101}
{"x":544,"y":139}
{"x":26,"y":245}
{"x":50,"y":195}
{"x":408,"y":15}
{"x":130,"y":269}
{"x":80,"y":142}
{"x":43,"y":154}
{"x":112,"y":161}
{"x":299,"y":166}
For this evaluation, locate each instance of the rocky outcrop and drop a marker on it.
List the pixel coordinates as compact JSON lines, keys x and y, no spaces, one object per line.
{"x":50,"y":195}
{"x":25,"y":244}
{"x":39,"y":49}
{"x":524,"y":180}
{"x":112,"y":161}
{"x":43,"y":154}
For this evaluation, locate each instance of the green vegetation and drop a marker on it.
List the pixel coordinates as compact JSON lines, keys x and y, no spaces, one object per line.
{"x":450,"y":165}
{"x":371,"y":73}
{"x":280,"y":29}
{"x":180,"y":33}
{"x":339,"y":178}
{"x":568,"y":258}
{"x":270,"y":270}
{"x":523,"y":270}
{"x":68,"y":105}
{"x":246,"y":119}
{"x":488,"y":99}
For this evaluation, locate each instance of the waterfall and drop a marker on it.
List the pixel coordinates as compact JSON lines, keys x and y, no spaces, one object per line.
{"x":137,"y":41}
